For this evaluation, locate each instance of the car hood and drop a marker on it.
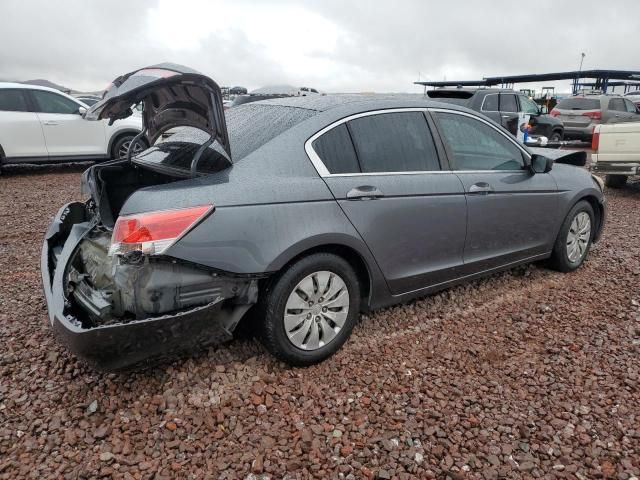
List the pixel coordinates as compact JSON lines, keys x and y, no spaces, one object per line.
{"x":172,"y":96}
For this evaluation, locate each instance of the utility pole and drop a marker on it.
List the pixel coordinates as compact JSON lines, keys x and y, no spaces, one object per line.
{"x":582,"y":55}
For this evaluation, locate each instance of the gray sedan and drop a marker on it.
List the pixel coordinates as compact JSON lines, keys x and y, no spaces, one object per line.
{"x":296,"y":213}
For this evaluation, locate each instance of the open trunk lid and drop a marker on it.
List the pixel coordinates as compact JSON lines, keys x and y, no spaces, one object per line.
{"x":172,"y":96}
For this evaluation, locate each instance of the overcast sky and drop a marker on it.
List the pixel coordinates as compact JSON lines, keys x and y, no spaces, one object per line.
{"x":333,"y":45}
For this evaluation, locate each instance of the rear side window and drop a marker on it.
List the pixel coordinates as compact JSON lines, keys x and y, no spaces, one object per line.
{"x":394,"y":142}
{"x":617,"y":104}
{"x":579,"y":103}
{"x":49,"y":102}
{"x":336,"y":150}
{"x":12,"y":100}
{"x":508,"y":103}
{"x":490,"y":103}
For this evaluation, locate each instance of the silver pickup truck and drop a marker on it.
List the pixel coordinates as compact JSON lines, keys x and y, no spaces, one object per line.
{"x":616,"y":152}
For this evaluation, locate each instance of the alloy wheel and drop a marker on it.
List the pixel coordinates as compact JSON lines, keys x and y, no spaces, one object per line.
{"x":316,"y":310}
{"x":578,"y":237}
{"x":124,"y":149}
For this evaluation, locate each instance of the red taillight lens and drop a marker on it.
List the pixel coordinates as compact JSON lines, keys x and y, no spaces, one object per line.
{"x":154,"y":232}
{"x":554,"y":112}
{"x":595,"y":141}
{"x":596,"y":115}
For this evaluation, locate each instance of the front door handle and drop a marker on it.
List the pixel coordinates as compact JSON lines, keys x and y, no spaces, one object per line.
{"x":50,"y":122}
{"x":364,"y":192}
{"x":480,"y":188}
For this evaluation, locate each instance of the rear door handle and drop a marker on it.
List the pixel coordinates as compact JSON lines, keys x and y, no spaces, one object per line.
{"x":364,"y":192}
{"x":480,"y":188}
{"x":50,"y":122}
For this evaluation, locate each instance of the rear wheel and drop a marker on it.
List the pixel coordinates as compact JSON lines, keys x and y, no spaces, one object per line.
{"x":574,"y":240}
{"x":121,"y":146}
{"x":310,"y":309}
{"x":615,"y":181}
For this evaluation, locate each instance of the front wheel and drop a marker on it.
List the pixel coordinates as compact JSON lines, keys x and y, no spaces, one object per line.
{"x":310,"y":309}
{"x":574,"y":240}
{"x":615,"y":181}
{"x":555,"y":136}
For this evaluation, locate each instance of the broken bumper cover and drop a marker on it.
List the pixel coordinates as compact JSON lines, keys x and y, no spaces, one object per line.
{"x":119,"y":346}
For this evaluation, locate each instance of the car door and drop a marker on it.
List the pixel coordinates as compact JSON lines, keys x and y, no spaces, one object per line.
{"x":66,"y":133}
{"x":632,"y":111}
{"x":509,"y":112}
{"x":21,"y":135}
{"x":384,"y":170}
{"x":510,"y":211}
{"x":617,"y":111}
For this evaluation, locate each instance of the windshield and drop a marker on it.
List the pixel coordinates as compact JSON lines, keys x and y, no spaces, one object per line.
{"x":249,"y":126}
{"x":579,"y":103}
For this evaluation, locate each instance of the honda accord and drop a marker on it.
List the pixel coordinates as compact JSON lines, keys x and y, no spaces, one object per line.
{"x":305,"y":211}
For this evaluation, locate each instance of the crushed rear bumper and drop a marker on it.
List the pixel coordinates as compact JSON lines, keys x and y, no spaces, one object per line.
{"x":117,"y":346}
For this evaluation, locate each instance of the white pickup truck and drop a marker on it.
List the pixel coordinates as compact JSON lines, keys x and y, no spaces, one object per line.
{"x":616,"y":152}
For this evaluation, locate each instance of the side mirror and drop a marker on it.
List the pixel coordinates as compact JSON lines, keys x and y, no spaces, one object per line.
{"x":82,"y":111}
{"x":540,"y":164}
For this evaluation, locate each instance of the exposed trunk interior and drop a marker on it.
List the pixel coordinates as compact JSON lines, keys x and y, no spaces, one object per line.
{"x":111,"y":184}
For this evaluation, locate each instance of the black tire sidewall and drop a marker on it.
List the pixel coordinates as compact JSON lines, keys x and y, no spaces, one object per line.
{"x":277,"y":293}
{"x":560,"y":257}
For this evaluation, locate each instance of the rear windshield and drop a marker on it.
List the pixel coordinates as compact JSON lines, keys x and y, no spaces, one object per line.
{"x":579,"y":103}
{"x":249,"y":126}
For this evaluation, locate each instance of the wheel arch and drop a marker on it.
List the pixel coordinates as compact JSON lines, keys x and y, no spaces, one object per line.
{"x":598,"y":211}
{"x":365,"y":272}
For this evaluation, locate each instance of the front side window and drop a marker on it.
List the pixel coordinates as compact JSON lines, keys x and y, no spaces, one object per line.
{"x":49,"y":102}
{"x":630,"y":106}
{"x":12,"y":100}
{"x":528,"y":106}
{"x":508,"y":103}
{"x":394,"y":142}
{"x":336,"y":150}
{"x":477,"y":146}
{"x":490,"y":103}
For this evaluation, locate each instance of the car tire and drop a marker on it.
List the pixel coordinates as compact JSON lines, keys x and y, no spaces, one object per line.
{"x":325,"y":323}
{"x":556,"y":136}
{"x":573,"y":233}
{"x":121,"y":144}
{"x":615,"y":181}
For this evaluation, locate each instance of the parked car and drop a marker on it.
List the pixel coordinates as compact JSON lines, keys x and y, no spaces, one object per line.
{"x":616,"y":152}
{"x":39,"y":124}
{"x":502,"y":106}
{"x":581,"y":114}
{"x":307,"y":210}
{"x":88,"y":99}
{"x":634,"y":97}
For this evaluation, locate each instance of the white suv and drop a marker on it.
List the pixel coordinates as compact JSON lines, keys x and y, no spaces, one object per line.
{"x":39,"y":124}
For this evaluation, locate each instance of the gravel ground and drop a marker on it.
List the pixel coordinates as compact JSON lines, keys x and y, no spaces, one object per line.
{"x":529,"y":373}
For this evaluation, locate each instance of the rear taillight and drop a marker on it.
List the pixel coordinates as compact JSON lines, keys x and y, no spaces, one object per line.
{"x":554,"y":112}
{"x":596,"y":115}
{"x":595,"y":141}
{"x":152,"y":233}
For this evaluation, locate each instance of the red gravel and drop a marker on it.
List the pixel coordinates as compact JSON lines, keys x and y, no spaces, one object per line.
{"x":526,"y":374}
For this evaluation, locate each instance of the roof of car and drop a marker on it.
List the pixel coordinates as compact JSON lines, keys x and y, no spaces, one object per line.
{"x":27,"y":86}
{"x":321,"y":103}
